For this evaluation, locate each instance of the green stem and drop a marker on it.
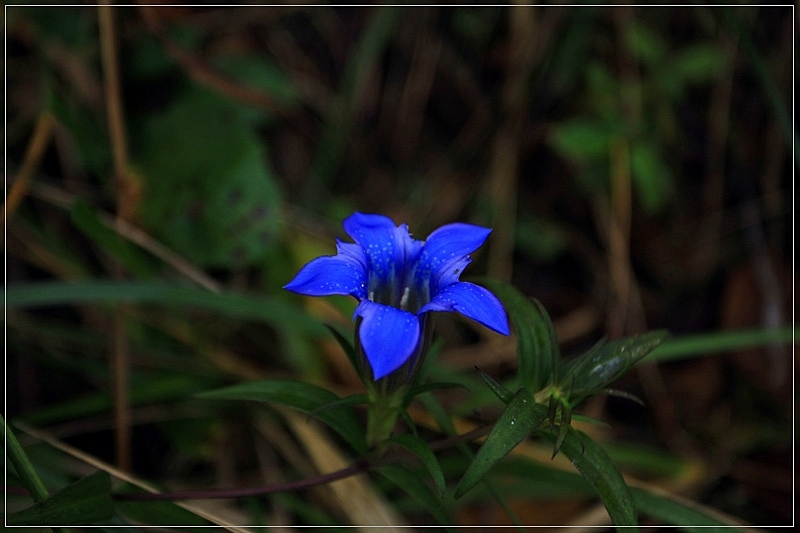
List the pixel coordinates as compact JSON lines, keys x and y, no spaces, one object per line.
{"x":23,"y":466}
{"x":27,"y":474}
{"x":382,"y":413}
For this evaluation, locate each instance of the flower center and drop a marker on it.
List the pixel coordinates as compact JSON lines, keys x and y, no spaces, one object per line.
{"x":400,"y":290}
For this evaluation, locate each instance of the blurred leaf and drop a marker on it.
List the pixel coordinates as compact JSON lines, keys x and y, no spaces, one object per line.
{"x":302,"y":396}
{"x":155,"y":389}
{"x":538,"y":354}
{"x":209,"y":193}
{"x":700,"y":63}
{"x":645,"y":44}
{"x":605,"y":363}
{"x":192,"y":435}
{"x":71,"y":264}
{"x":648,"y":461}
{"x":345,"y":401}
{"x":421,"y":449}
{"x":93,"y":152}
{"x":654,"y":184}
{"x":238,"y":305}
{"x":596,"y":466}
{"x":257,"y":72}
{"x":719,"y":341}
{"x":414,"y":487}
{"x":603,"y":92}
{"x":673,"y":512}
{"x":71,"y":26}
{"x":146,"y":58}
{"x":130,"y":256}
{"x":695,"y":64}
{"x":582,"y":140}
{"x":542,"y":238}
{"x":522,"y":416}
{"x":84,"y":502}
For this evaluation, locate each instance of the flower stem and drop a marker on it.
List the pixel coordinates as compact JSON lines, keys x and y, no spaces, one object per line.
{"x":384,"y":408}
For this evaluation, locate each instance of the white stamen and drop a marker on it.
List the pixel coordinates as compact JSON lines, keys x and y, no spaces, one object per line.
{"x":404,"y":298}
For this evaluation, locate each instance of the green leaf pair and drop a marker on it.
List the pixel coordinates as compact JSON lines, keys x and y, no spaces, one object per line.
{"x":543,"y":376}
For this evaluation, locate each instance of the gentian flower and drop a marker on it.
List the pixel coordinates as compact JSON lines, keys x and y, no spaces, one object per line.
{"x":397,"y":281}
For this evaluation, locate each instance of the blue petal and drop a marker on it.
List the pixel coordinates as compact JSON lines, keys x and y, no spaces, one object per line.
{"x":449,"y":273}
{"x":376,"y":235}
{"x":324,"y":276}
{"x":351,"y":251}
{"x":387,"y":246}
{"x":473,"y":302}
{"x":448,"y":243}
{"x":388,"y":336}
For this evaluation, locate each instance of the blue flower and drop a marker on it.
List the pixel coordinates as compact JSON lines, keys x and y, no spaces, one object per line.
{"x":397,"y":281}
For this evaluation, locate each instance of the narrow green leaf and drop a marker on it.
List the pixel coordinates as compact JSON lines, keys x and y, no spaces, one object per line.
{"x":414,"y":487}
{"x":605,"y":363}
{"x":22,"y":465}
{"x":421,"y":449}
{"x":302,"y":396}
{"x":522,"y":416}
{"x":84,"y":502}
{"x":526,"y":477}
{"x":238,"y":305}
{"x":346,"y":345}
{"x":714,"y":342}
{"x":499,"y":390}
{"x":677,"y":513}
{"x":563,"y":430}
{"x":442,"y":417}
{"x":596,"y":466}
{"x":347,"y":401}
{"x":538,"y":355}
